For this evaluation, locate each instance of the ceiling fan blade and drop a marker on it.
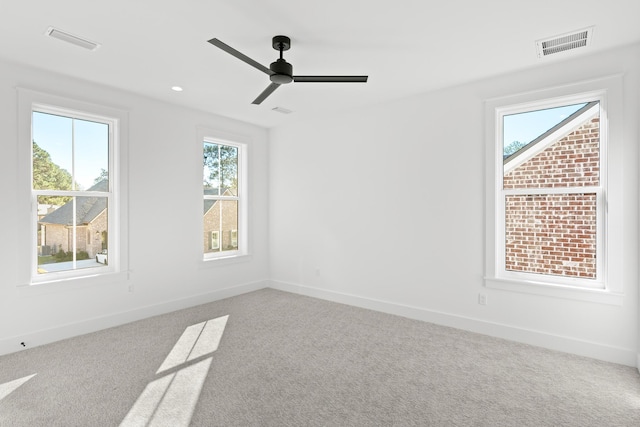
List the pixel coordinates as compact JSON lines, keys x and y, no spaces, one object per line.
{"x":240,"y":56}
{"x":330,"y":79}
{"x":268,"y":91}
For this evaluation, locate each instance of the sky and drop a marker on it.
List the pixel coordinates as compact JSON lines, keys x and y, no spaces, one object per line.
{"x":57,"y":135}
{"x":527,"y":126}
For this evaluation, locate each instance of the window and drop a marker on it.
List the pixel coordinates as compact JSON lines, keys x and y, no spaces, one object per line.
{"x":214,"y":242}
{"x":547,"y":201}
{"x":224,"y":203}
{"x":234,"y":238}
{"x":70,"y":151}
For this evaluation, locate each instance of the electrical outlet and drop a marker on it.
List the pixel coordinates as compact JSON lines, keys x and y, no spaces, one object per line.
{"x":482,"y":299}
{"x":130,"y":288}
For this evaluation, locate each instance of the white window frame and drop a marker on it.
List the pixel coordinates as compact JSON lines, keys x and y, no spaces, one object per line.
{"x":117,"y":269}
{"x":607,"y":287}
{"x":210,"y":136}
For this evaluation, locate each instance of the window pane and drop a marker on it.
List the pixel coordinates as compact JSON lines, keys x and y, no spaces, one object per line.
{"x":91,"y":162}
{"x":220,"y":225}
{"x":229,"y":225}
{"x":211,"y":163}
{"x":64,"y":244}
{"x":52,"y":152}
{"x":564,"y":150}
{"x":212,"y":216}
{"x":220,"y":169}
{"x":551,"y":234}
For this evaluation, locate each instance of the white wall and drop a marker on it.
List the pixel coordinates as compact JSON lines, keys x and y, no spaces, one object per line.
{"x":384,"y":208}
{"x":165,"y":200}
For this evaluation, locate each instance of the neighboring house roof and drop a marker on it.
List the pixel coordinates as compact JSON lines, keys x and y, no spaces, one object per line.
{"x":87,"y":208}
{"x":208,"y":203}
{"x":559,"y":131}
{"x":44,"y":208}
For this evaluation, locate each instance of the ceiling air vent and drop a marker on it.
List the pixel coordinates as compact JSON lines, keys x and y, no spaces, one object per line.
{"x":70,"y":38}
{"x":282,"y":110}
{"x":564,"y":42}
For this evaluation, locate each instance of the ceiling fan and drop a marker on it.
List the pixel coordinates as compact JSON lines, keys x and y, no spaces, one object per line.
{"x":281,"y":72}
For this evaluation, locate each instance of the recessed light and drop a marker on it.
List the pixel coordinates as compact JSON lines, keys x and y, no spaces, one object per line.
{"x":176,"y":88}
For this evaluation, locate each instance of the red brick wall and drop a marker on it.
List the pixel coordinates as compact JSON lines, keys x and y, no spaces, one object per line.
{"x":212,"y":221}
{"x":556,"y":233}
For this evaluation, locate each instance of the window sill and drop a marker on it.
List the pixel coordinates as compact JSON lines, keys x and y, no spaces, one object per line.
{"x":72,"y":283}
{"x":225,"y":260}
{"x":601,"y":296}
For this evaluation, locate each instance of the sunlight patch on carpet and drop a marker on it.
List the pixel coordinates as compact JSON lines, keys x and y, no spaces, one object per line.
{"x":171,"y":399}
{"x":196,"y":341}
{"x":9,"y":387}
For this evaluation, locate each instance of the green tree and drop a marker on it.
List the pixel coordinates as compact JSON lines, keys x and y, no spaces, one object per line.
{"x":49,"y":176}
{"x":512,"y":147}
{"x":104,"y":175}
{"x":221,"y":162}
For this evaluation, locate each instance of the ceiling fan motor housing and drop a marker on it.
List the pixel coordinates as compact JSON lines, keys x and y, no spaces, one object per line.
{"x":283,"y":72}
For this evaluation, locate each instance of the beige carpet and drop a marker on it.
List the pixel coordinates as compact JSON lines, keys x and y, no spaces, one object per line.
{"x":270,"y":358}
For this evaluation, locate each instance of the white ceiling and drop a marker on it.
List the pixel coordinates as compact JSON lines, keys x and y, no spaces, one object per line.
{"x":406,"y":47}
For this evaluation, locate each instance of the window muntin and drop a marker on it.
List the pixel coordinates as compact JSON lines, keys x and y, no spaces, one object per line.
{"x":223,"y":199}
{"x":70,"y":163}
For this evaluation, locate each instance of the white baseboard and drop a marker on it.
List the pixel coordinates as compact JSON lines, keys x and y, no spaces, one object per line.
{"x":46,"y":336}
{"x":537,"y":338}
{"x":526,"y":336}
